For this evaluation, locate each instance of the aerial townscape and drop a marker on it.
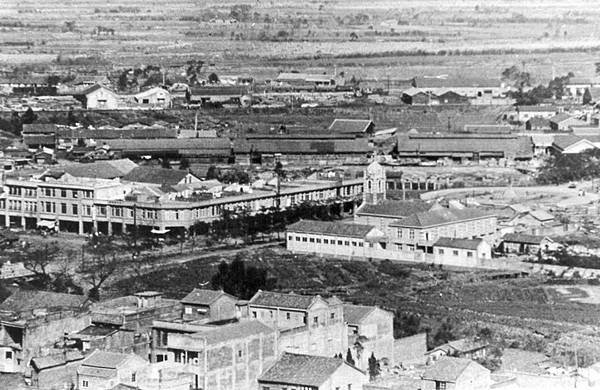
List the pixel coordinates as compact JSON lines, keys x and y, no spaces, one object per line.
{"x":284,"y":195}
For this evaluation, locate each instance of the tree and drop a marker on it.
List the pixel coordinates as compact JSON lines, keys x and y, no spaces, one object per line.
{"x":184,"y":164}
{"x":240,"y":280}
{"x":37,"y":258}
{"x":444,"y":334}
{"x":101,"y":264}
{"x":349,"y":358}
{"x":165,"y":163}
{"x":212,"y":173}
{"x":29,"y":116}
{"x":374,"y":367}
{"x":213,"y":78}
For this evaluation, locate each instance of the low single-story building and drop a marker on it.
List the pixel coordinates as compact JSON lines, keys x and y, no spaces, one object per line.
{"x":461,"y":252}
{"x":526,"y":243}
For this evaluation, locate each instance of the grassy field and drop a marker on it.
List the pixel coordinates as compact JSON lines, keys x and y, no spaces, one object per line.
{"x":381,"y":39}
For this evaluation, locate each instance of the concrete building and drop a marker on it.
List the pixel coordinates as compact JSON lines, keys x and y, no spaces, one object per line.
{"x":32,"y":321}
{"x":370,"y":331}
{"x":306,"y":324}
{"x":347,"y":240}
{"x":56,"y":370}
{"x":461,"y":252}
{"x":104,"y":370}
{"x":209,"y":306}
{"x":221,"y":357}
{"x":84,"y":205}
{"x":303,"y":372}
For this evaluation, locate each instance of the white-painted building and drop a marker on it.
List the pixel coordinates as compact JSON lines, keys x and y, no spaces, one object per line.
{"x":460,"y":252}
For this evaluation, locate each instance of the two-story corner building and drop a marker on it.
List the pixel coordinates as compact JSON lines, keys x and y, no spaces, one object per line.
{"x":63,"y":203}
{"x":370,"y":331}
{"x":124,"y":324}
{"x":450,"y":373}
{"x":303,"y":372}
{"x":32,"y":321}
{"x":307,"y":324}
{"x":347,"y":240}
{"x":209,"y":306}
{"x":83,"y":205}
{"x":420,"y":231}
{"x":104,"y":370}
{"x":461,"y":252}
{"x":224,"y":357}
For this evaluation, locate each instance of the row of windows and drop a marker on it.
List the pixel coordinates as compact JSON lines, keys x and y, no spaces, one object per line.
{"x":455,"y":252}
{"x":326,"y":241}
{"x":65,"y":193}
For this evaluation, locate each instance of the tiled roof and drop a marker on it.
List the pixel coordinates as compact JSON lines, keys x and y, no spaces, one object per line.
{"x":488,"y":129}
{"x":447,"y":369}
{"x":394,"y":208}
{"x":302,"y":76}
{"x":448,"y":144}
{"x":105,"y":359}
{"x":100,"y":169}
{"x":541,"y":215}
{"x":101,"y":134}
{"x":536,"y":108}
{"x":39,"y":128}
{"x":459,"y":243}
{"x":564,"y":141}
{"x":339,"y":229}
{"x":351,"y":126}
{"x":303,"y":146}
{"x":155,"y":175}
{"x":560,"y":117}
{"x":413,"y":91}
{"x":94,"y":88}
{"x":301,"y":370}
{"x":39,"y":139}
{"x":523,"y":238}
{"x":96,"y":372}
{"x":354,"y":314}
{"x":204,"y":297}
{"x":235,"y":331}
{"x":274,"y":299}
{"x":538,"y":122}
{"x":440,"y":217}
{"x":200,"y":145}
{"x":26,"y":300}
{"x":55,"y":360}
{"x":218,"y":91}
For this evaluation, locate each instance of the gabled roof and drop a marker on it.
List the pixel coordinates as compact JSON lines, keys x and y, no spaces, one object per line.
{"x":456,"y":82}
{"x":152,"y":91}
{"x":394,"y":208}
{"x":302,"y":370}
{"x":290,"y":300}
{"x":101,"y":169}
{"x":448,"y":369}
{"x":523,"y":238}
{"x":413,"y":91}
{"x":155,"y":175}
{"x":460,"y":346}
{"x":562,"y":142}
{"x":105,"y":359}
{"x":200,"y":145}
{"x":204,"y":297}
{"x":303,"y":146}
{"x":458,"y":243}
{"x":44,"y":362}
{"x":95,"y":88}
{"x":26,"y":300}
{"x":560,"y":118}
{"x":339,"y":229}
{"x":488,"y":129}
{"x":440,"y":217}
{"x":541,"y":215}
{"x":234,"y":331}
{"x":354,"y":314}
{"x":351,"y":126}
{"x":536,"y":108}
{"x":303,"y":77}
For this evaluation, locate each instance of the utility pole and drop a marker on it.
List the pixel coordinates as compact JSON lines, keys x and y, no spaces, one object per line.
{"x":134,"y":225}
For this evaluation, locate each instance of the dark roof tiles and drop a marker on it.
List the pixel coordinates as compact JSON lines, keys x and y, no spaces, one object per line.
{"x":301,"y":370}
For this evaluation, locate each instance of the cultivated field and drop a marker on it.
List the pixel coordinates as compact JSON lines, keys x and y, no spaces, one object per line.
{"x":376,"y":40}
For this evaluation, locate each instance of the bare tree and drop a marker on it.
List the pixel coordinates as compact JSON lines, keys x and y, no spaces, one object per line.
{"x":100,"y":265}
{"x":37,"y":258}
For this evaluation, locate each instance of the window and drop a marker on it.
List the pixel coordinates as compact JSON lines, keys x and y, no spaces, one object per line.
{"x":311,"y":239}
{"x":288,"y":316}
{"x":188,"y":310}
{"x":332,"y":316}
{"x":297,"y":238}
{"x":353,"y":243}
{"x":325,"y":241}
{"x":63,"y":208}
{"x":304,"y":239}
{"x":339,"y":242}
{"x":85,"y":383}
{"x":63,"y":193}
{"x":74,"y":209}
{"x":75,"y":194}
{"x":455,"y":253}
{"x":271,"y":313}
{"x":315,"y":320}
{"x":411,"y":234}
{"x":254,"y":314}
{"x":133,"y":377}
{"x":290,"y":238}
{"x":469,"y":254}
{"x":318,"y":240}
{"x":347,"y":243}
{"x":360,"y":244}
{"x":440,"y":251}
{"x":440,"y":385}
{"x":240,"y":353}
{"x":8,"y":355}
{"x":399,"y":233}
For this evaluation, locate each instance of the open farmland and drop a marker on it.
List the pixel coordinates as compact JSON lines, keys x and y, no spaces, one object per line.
{"x":384,"y":39}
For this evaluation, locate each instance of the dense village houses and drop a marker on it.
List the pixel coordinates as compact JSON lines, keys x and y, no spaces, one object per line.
{"x":463,"y":348}
{"x":209,"y":305}
{"x":31,"y":321}
{"x":104,"y":370}
{"x":306,"y":324}
{"x":370,"y":332}
{"x":296,"y":371}
{"x":453,"y":373}
{"x":520,"y":243}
